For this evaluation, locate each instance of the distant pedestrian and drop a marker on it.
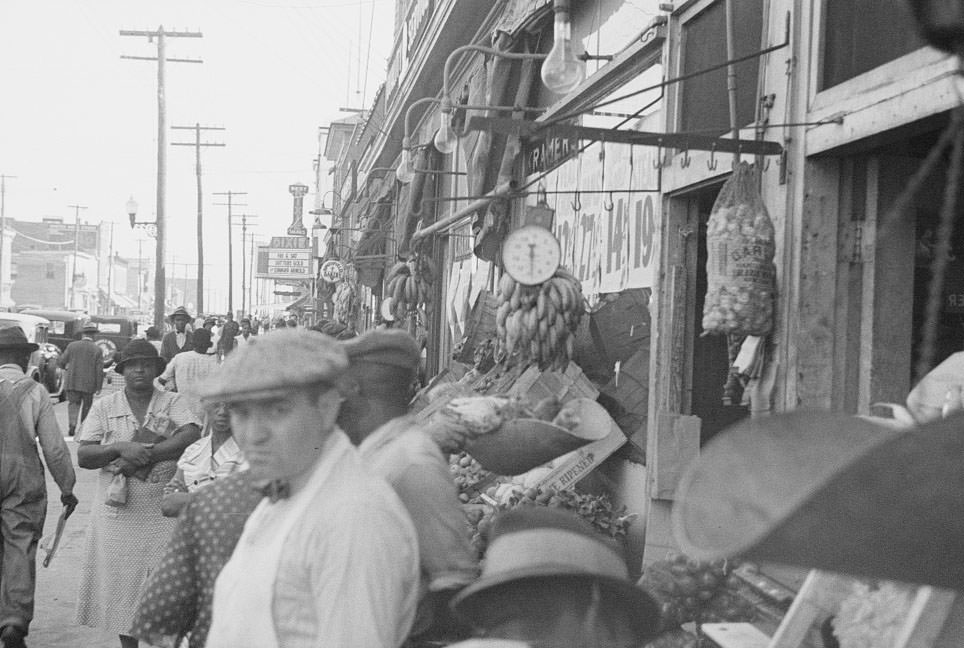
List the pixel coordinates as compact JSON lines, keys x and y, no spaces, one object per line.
{"x":246,"y":334}
{"x":84,"y":364}
{"x":134,"y":438}
{"x":178,"y":340}
{"x":153,"y":336}
{"x":26,"y":415}
{"x":210,"y":323}
{"x":228,"y":340}
{"x":188,"y":371}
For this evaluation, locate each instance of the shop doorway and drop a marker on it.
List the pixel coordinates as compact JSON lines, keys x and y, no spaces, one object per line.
{"x":884,"y":275}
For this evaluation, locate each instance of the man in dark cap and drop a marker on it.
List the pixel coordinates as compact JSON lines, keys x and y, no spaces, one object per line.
{"x":330,"y":556}
{"x":84,"y":363}
{"x":178,"y":340}
{"x":381,"y":371}
{"x":26,"y":415}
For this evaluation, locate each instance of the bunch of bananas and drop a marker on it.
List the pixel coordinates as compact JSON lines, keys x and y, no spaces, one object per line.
{"x":409,"y":284}
{"x":538,"y":323}
{"x":345,"y":302}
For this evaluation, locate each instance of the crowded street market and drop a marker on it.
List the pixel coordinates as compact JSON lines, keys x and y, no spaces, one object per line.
{"x":593,"y":324}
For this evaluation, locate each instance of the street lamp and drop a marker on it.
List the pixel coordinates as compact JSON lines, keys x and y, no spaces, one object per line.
{"x":149,"y":226}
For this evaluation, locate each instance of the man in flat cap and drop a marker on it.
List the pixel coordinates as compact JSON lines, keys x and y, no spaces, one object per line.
{"x":330,"y":556}
{"x":382,"y":368}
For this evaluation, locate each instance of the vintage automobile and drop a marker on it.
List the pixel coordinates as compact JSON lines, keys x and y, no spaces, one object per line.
{"x":64,"y":325}
{"x":42,"y":365}
{"x":113,"y":335}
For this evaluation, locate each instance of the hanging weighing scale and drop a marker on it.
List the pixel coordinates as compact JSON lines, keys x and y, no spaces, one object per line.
{"x":531,"y":253}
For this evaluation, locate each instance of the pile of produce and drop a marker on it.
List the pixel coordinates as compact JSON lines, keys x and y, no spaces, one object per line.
{"x":345,"y":303}
{"x":468,"y":475}
{"x":873,"y":615}
{"x":692,"y":590}
{"x":598,"y":510}
{"x":537,"y":324}
{"x":409,"y":284}
{"x":740,"y":273}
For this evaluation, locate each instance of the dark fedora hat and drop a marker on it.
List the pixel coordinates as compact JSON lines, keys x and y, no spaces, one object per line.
{"x":553,"y":545}
{"x":139,"y":349}
{"x":12,"y":337}
{"x":833,"y":492}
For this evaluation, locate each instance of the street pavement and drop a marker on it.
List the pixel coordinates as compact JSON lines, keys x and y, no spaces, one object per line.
{"x":53,"y":625}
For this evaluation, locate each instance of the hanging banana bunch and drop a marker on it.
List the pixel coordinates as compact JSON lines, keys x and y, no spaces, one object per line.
{"x":538,"y":323}
{"x":409,"y":284}
{"x":345,"y":302}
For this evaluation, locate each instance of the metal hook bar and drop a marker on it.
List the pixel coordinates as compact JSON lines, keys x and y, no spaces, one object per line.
{"x":711,"y":163}
{"x":576,"y":204}
{"x":608,"y":205}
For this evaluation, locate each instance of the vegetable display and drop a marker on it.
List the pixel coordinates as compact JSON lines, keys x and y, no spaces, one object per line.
{"x":537,"y":323}
{"x":740,"y":246}
{"x":345,"y":303}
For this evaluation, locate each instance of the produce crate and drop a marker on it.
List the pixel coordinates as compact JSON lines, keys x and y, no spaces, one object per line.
{"x":479,"y":327}
{"x":448,"y":376}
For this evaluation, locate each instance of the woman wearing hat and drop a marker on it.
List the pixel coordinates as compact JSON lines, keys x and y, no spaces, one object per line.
{"x":138,"y":433}
{"x":84,"y":363}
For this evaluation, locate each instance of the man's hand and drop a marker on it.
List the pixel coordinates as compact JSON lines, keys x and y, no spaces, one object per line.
{"x":69,"y":500}
{"x":138,"y":454}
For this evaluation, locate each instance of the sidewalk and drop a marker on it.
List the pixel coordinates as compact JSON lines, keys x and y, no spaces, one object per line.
{"x":53,"y":625}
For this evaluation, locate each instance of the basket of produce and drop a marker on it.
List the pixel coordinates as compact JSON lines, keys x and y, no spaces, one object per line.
{"x":520,"y":444}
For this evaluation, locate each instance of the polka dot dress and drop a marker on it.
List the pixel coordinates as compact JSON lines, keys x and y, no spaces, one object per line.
{"x":176,"y":601}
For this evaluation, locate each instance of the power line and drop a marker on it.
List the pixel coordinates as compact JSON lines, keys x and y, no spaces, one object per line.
{"x":158,"y":37}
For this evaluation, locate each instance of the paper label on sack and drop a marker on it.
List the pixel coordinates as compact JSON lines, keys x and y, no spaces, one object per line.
{"x":570,"y":468}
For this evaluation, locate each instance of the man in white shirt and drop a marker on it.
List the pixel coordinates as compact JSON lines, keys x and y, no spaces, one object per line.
{"x":329,"y":558}
{"x":246,"y":335}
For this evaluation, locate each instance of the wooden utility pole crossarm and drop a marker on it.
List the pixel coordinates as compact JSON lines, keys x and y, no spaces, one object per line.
{"x":158,"y":37}
{"x":197,"y":144}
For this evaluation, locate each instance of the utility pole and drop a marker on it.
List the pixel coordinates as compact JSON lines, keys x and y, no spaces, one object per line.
{"x":3,"y":228}
{"x":230,"y":204}
{"x":244,"y":270}
{"x":251,"y":270}
{"x":197,"y":128}
{"x":110,"y":272}
{"x":158,"y":37}
{"x":73,"y":274}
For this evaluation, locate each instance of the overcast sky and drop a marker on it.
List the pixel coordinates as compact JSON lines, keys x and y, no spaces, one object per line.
{"x":78,"y":125}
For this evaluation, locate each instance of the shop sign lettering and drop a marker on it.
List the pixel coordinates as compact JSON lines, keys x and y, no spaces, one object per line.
{"x":542,"y":155}
{"x":608,"y":240}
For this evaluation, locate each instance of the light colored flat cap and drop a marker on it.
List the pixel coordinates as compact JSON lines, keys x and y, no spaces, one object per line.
{"x":274,"y":363}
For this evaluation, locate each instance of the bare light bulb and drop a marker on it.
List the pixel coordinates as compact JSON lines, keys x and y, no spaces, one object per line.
{"x":404,"y":173}
{"x":562,"y":71}
{"x":445,"y":139}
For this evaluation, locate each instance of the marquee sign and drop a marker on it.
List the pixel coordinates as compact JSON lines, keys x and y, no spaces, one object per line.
{"x":289,"y":257}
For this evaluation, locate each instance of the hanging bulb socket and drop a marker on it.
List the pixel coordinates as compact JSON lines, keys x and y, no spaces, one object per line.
{"x":405,"y":172}
{"x":562,"y":70}
{"x":445,"y":138}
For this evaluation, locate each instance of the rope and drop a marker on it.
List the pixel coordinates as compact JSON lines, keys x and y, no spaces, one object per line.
{"x":942,"y":247}
{"x":36,"y":240}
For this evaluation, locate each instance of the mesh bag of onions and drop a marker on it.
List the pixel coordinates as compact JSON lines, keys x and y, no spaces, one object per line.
{"x":739,"y":265}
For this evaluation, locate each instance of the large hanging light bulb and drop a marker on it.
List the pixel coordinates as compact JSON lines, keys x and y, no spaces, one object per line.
{"x":445,"y":139}
{"x":405,"y":172}
{"x":562,"y":71}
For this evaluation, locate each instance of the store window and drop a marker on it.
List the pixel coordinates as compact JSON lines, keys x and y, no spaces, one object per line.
{"x":860,"y":35}
{"x":704,"y":104}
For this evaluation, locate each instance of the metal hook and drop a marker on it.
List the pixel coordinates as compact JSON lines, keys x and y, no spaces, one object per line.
{"x":766,"y":164}
{"x":667,"y":159}
{"x":711,"y":163}
{"x":685,"y":160}
{"x":608,"y":205}
{"x":576,"y":204}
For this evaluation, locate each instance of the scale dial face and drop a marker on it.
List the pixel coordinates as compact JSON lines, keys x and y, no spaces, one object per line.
{"x":531,"y":254}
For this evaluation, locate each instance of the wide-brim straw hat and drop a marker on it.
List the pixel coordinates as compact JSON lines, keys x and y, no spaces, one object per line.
{"x":139,"y":349}
{"x":545,"y":543}
{"x":832,"y":492}
{"x":182,"y":311}
{"x":520,"y":445}
{"x":13,"y":338}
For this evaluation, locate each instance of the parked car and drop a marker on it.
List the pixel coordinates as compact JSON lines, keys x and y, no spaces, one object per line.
{"x":64,"y":325}
{"x":42,"y":365}
{"x":113,"y":335}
